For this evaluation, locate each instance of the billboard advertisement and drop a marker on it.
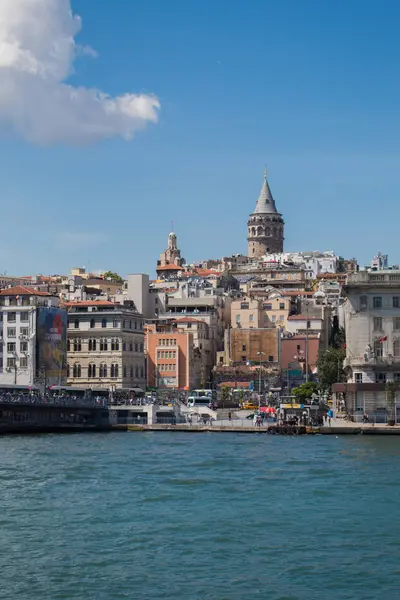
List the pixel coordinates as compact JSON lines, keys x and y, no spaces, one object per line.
{"x":52,"y":344}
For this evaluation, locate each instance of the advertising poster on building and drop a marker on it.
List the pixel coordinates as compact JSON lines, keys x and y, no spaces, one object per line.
{"x":52,"y":344}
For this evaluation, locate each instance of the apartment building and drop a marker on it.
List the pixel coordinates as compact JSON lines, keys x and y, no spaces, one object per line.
{"x":105,"y":345}
{"x":372,"y":323}
{"x":172,"y":360}
{"x":33,"y":337}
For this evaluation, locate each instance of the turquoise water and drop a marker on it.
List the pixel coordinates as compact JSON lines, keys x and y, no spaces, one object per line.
{"x":199,"y":516}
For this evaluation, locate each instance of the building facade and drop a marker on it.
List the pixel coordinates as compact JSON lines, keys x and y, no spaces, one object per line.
{"x":172,"y":360}
{"x":32,"y":338}
{"x":372,"y":323}
{"x":105,"y":345}
{"x":265,"y":226}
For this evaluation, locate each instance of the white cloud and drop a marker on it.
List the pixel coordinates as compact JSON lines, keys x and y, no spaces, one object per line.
{"x":37,"y":54}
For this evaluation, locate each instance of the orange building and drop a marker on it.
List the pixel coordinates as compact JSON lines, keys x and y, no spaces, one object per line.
{"x":172,"y":361}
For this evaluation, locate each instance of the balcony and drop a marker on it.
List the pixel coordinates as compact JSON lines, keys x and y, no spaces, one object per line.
{"x":374,"y":279}
{"x":389,"y":362}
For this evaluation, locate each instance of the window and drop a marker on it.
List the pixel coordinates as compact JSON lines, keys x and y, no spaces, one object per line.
{"x":273,"y":318}
{"x":358,"y":378}
{"x":11,"y":332}
{"x":103,"y":345}
{"x":377,"y":301}
{"x":244,"y":359}
{"x":251,"y":318}
{"x":125,"y":371}
{"x":68,"y":371}
{"x":103,"y":370}
{"x":396,"y":301}
{"x":363,"y":302}
{"x":281,"y":318}
{"x":281,"y":306}
{"x":23,"y":346}
{"x":104,"y":323}
{"x":270,"y":359}
{"x":11,"y":346}
{"x":396,"y":323}
{"x":92,"y":345}
{"x":77,"y":371}
{"x":114,"y":371}
{"x":91,"y":371}
{"x":76,"y":324}
{"x":396,"y":347}
{"x":23,"y":362}
{"x":141,"y":347}
{"x":123,"y":324}
{"x":123,"y":346}
{"x":189,"y":325}
{"x":396,"y":376}
{"x":131,"y":371}
{"x":244,"y":305}
{"x":135,"y":324}
{"x":68,"y":344}
{"x":77,"y":345}
{"x":115,"y":323}
{"x":141,"y":372}
{"x":237,"y":318}
{"x":267,"y":306}
{"x":136,"y":347}
{"x":377,"y":323}
{"x":11,"y":317}
{"x":11,"y":362}
{"x":24,"y":316}
{"x":243,"y":348}
{"x":24,"y":331}
{"x":378,"y":348}
{"x":131,"y":347}
{"x":136,"y":371}
{"x":380,"y":377}
{"x":92,"y":323}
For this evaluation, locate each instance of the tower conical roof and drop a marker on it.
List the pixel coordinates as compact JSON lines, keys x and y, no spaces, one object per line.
{"x":265,"y":203}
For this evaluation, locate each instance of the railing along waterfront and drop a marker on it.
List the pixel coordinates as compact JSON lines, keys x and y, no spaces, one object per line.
{"x":48,"y":400}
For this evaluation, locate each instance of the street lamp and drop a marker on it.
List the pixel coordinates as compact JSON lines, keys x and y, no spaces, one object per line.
{"x":259,"y":379}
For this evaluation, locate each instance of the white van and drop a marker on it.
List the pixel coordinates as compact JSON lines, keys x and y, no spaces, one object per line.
{"x":198,"y":401}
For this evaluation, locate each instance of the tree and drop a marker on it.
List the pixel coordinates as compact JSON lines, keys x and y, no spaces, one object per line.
{"x":305,"y":391}
{"x":115,"y":278}
{"x":224,"y":395}
{"x":330,"y":367}
{"x":391,"y":388}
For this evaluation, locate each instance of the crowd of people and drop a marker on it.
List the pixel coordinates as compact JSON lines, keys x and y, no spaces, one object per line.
{"x":50,"y":398}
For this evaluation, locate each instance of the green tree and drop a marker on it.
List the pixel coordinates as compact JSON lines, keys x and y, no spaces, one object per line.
{"x":330,"y":367}
{"x":305,"y":391}
{"x":224,"y":395}
{"x":115,"y":277}
{"x":391,"y":388}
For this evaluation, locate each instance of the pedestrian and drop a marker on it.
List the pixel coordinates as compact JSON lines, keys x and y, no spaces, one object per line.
{"x":230,"y":416}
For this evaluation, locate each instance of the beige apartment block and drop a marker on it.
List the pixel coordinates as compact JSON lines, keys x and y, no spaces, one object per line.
{"x":256,"y":312}
{"x":105,"y":345}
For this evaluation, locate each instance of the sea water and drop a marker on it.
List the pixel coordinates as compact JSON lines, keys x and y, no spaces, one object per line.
{"x":199,"y":516}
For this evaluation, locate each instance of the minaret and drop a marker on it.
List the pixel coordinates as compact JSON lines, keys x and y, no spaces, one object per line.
{"x":265,"y":225}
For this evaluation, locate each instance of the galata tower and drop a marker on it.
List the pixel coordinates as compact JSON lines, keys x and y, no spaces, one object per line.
{"x":265,"y":225}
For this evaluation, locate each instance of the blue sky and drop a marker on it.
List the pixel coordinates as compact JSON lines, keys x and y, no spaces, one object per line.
{"x":311,"y":89}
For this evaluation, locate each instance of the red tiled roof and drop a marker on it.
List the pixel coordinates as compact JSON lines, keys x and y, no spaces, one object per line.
{"x":90,"y":303}
{"x":188,"y":320}
{"x":170,"y":268}
{"x":207,"y":272}
{"x":19,"y":290}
